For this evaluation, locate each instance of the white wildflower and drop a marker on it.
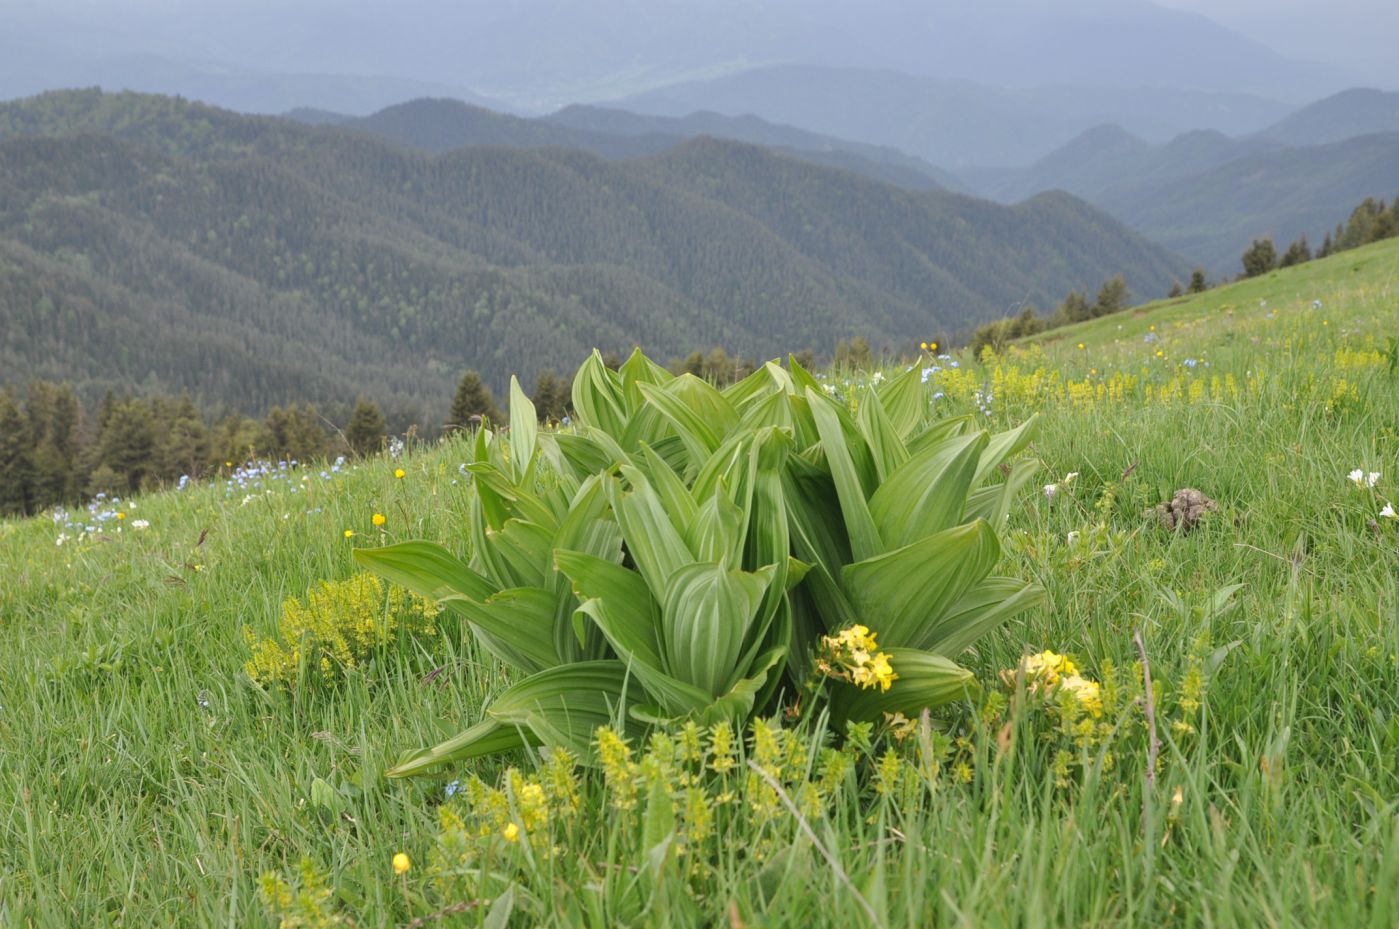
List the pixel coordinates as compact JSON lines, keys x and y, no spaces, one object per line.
{"x":1388,"y":511}
{"x":140,"y":524}
{"x":1051,"y":491}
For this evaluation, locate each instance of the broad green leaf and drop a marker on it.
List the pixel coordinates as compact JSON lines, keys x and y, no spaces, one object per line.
{"x":651,"y":536}
{"x":425,"y":568}
{"x":620,"y":605}
{"x":638,"y":370}
{"x":516,"y":624}
{"x":925,"y":681}
{"x":905,"y":400}
{"x":487,"y":737}
{"x":675,"y":496}
{"x":524,"y":430}
{"x":699,"y":414}
{"x":903,"y":594}
{"x":716,"y":533}
{"x":597,"y":396}
{"x":1003,"y":445}
{"x":883,"y":439}
{"x":978,"y":611}
{"x":864,"y":537}
{"x":992,"y":502}
{"x":927,"y":493}
{"x":705,"y":618}
{"x":527,"y":548}
{"x":941,"y":431}
{"x":564,"y":706}
{"x":737,"y":704}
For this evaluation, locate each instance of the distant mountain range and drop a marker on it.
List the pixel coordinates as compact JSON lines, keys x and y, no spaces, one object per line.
{"x":147,"y":240}
{"x":1208,"y":195}
{"x":537,"y":55}
{"x":438,"y":126}
{"x":956,"y":123}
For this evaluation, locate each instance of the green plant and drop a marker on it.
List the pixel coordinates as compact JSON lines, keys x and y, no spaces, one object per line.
{"x":682,"y":552}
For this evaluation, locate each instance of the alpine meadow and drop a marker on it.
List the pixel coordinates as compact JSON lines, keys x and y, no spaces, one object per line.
{"x":709,"y":464}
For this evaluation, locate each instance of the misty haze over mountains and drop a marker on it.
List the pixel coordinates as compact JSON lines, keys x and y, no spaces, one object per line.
{"x":1146,"y":136}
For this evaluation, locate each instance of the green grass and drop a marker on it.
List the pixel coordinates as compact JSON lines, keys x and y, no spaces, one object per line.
{"x":151,"y":783}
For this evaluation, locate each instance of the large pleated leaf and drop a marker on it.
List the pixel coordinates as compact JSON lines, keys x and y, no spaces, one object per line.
{"x":425,"y":568}
{"x":925,"y":681}
{"x":524,"y":430}
{"x":705,"y":617}
{"x":516,"y":624}
{"x":886,"y":445}
{"x":849,"y":481}
{"x":598,"y":399}
{"x":650,"y":534}
{"x":903,"y":594}
{"x":992,"y":502}
{"x":905,"y":401}
{"x":977,"y":612}
{"x":564,"y":706}
{"x":927,"y":493}
{"x":487,"y":737}
{"x":1003,"y":445}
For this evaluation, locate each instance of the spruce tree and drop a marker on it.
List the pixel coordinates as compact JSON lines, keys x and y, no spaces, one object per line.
{"x":185,"y":446}
{"x":1112,"y":296}
{"x":1260,"y":258}
{"x":1074,"y":309}
{"x":1198,"y":284}
{"x":1296,"y":253}
{"x":16,"y":466}
{"x":365,"y":433}
{"x":550,"y":398}
{"x":473,"y":404}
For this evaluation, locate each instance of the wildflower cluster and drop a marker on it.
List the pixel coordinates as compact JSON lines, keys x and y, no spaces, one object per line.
{"x":1049,"y":673}
{"x":853,"y":656}
{"x":341,"y":624}
{"x":306,"y":899}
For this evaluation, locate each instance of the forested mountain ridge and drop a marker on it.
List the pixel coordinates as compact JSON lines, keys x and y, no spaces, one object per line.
{"x":438,"y":125}
{"x":147,"y":240}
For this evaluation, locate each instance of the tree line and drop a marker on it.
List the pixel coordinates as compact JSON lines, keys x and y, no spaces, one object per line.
{"x":1371,"y":221}
{"x":55,"y":451}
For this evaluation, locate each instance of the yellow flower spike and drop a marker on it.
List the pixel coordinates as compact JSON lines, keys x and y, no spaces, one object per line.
{"x":401,"y":863}
{"x":511,"y":832}
{"x":399,"y":473}
{"x":349,"y":533}
{"x":378,"y":519}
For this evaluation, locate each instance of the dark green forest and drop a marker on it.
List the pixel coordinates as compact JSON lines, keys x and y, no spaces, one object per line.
{"x":148,"y":242}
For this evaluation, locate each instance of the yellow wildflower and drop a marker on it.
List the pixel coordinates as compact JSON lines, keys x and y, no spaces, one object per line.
{"x":349,"y":533}
{"x":399,"y":473}
{"x":401,"y":864}
{"x":378,"y":519}
{"x":853,"y":655}
{"x":923,"y":345}
{"x":121,"y":516}
{"x":511,"y":832}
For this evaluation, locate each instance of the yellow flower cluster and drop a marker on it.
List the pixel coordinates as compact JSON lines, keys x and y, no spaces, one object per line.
{"x":1051,"y":673}
{"x":306,"y":900}
{"x":340,"y":625}
{"x":853,"y":656}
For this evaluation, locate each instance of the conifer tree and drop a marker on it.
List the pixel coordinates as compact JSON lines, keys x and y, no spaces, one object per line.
{"x":54,"y":415}
{"x":550,"y":398}
{"x":1198,"y":285}
{"x":473,"y":404}
{"x":185,"y":445}
{"x":365,"y":433}
{"x":1296,"y":253}
{"x":1260,"y":258}
{"x":1175,"y":291}
{"x":1074,"y":309}
{"x":1112,"y":296}
{"x":16,"y":466}
{"x":126,"y":446}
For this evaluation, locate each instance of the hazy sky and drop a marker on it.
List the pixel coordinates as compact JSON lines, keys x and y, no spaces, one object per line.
{"x":1359,"y":35}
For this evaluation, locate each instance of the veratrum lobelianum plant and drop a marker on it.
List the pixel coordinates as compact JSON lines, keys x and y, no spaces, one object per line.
{"x":679,"y":553}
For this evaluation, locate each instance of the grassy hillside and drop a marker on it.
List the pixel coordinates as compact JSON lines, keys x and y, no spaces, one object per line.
{"x":153,"y":783}
{"x":146,"y":240}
